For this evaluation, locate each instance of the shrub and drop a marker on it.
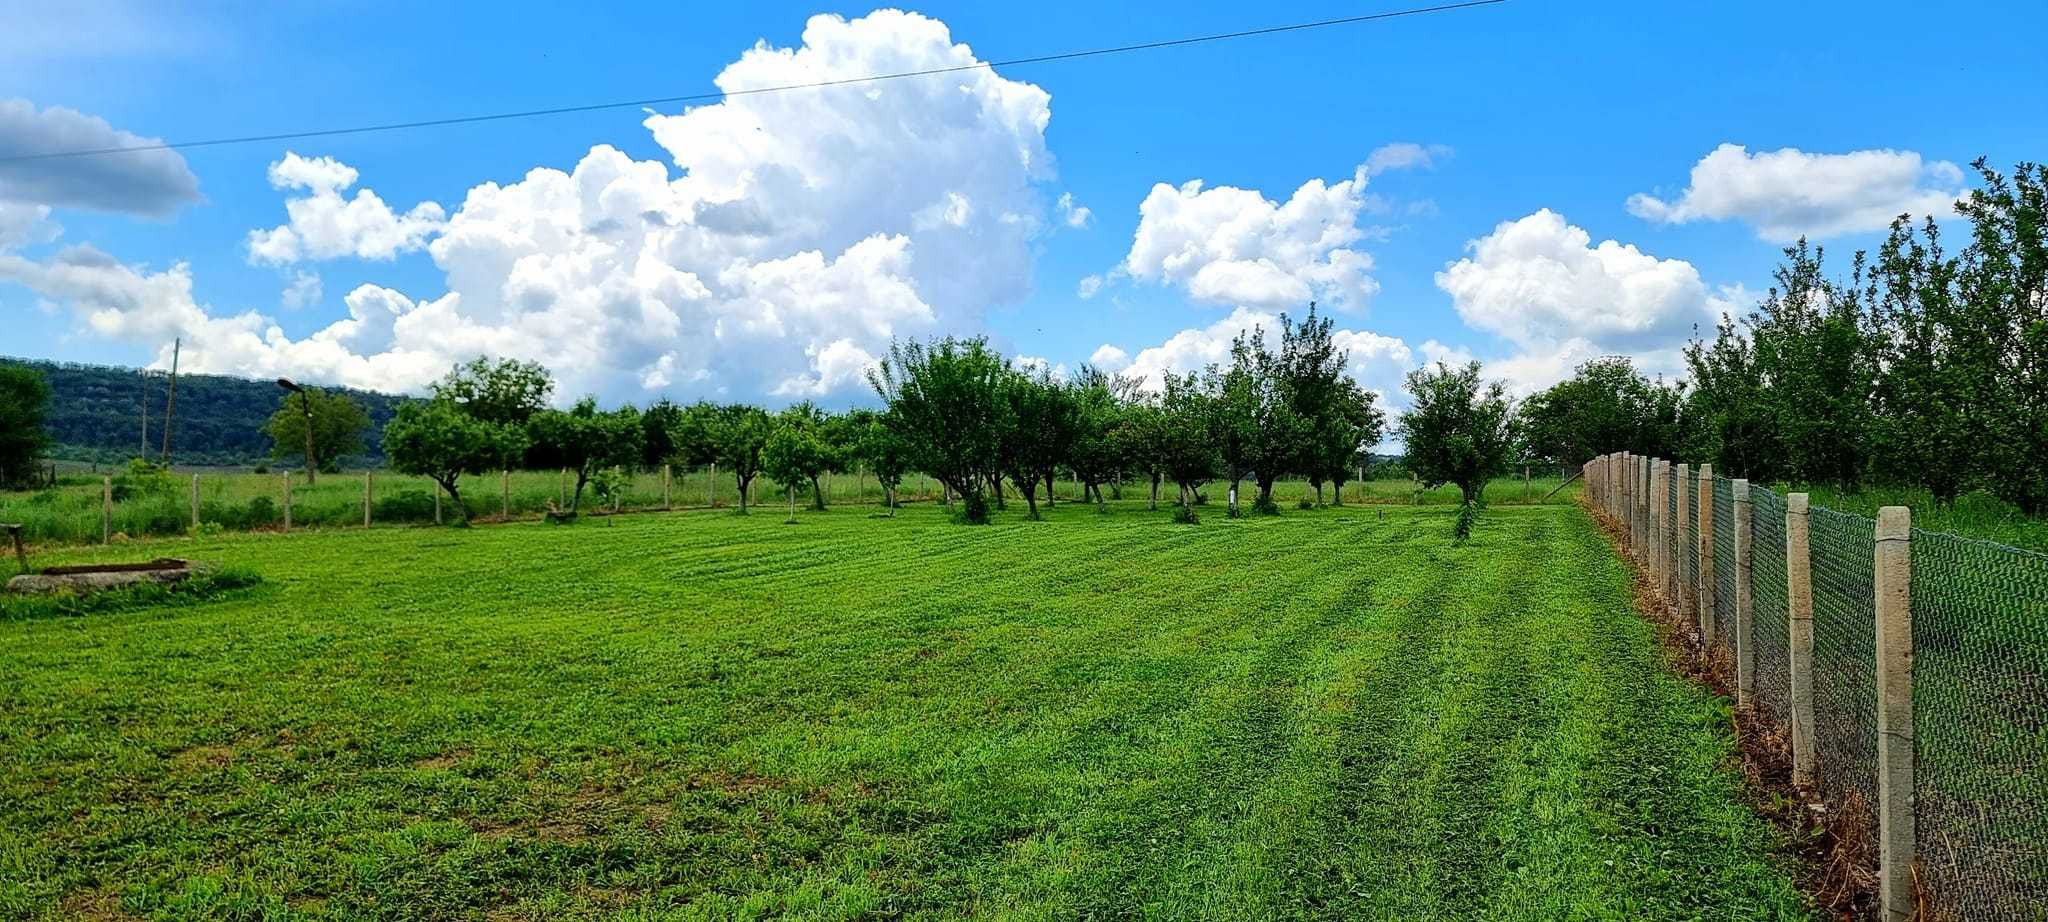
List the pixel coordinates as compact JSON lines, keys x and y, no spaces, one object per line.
{"x":406,"y":506}
{"x":1183,"y":515}
{"x":1305,"y":503}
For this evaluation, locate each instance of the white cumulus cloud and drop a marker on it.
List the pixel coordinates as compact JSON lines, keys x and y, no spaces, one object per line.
{"x":325,"y":225}
{"x":1789,"y":193}
{"x":786,"y":240}
{"x":1075,"y":216}
{"x":1227,"y":245}
{"x":1540,"y":281}
{"x":149,"y":183}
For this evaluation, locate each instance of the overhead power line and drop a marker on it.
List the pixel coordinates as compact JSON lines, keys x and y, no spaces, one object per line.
{"x":703,"y":97}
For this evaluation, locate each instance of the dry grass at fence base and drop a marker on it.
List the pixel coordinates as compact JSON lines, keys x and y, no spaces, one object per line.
{"x":1838,"y":853}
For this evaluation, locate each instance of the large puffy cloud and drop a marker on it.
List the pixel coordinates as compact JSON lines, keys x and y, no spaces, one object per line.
{"x":795,"y":234}
{"x":1539,"y":281}
{"x":1788,"y":193}
{"x":1227,"y":245}
{"x":146,"y":183}
{"x":324,"y":225}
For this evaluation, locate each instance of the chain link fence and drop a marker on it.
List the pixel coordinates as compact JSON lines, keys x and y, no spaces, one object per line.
{"x":1979,"y":661}
{"x":1724,"y":562}
{"x":1771,"y":622}
{"x":1980,"y":706}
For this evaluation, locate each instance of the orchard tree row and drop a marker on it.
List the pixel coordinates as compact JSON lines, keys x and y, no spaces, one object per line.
{"x":988,"y":428}
{"x":1926,"y":366}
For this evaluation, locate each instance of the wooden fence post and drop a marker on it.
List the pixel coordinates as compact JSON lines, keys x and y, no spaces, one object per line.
{"x":1745,"y":604}
{"x":287,"y":489}
{"x":195,"y":502}
{"x":1895,"y":801}
{"x":366,"y":499}
{"x":1705,"y":549}
{"x":667,"y":502}
{"x":1799,"y":645}
{"x":107,"y":510}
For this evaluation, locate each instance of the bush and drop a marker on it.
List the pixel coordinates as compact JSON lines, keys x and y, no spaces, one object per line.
{"x":1467,"y":515}
{"x":1305,"y":503}
{"x":262,"y":468}
{"x":407,"y":506}
{"x":1183,"y":515}
{"x":1265,"y":506}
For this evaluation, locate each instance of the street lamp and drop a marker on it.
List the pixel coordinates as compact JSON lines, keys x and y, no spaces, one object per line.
{"x":305,"y":406}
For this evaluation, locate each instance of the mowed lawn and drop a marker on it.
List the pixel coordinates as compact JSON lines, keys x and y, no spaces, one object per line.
{"x":1330,"y":714}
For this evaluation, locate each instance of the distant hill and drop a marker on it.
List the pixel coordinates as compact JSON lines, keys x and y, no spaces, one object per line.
{"x":96,"y":414}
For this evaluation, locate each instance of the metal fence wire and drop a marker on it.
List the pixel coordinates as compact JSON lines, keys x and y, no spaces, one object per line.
{"x":1980,"y":686}
{"x":1689,"y":540}
{"x":1980,"y":714}
{"x":1844,"y":557}
{"x":1770,"y":625}
{"x":1724,"y":563}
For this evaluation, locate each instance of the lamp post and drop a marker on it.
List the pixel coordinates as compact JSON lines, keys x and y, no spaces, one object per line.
{"x":305,"y":406}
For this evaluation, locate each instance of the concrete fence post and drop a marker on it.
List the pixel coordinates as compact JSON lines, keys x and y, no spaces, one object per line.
{"x":286,"y":488}
{"x":1799,"y":645}
{"x":107,"y":509}
{"x":195,"y":502}
{"x":505,"y":494}
{"x":1895,"y":832}
{"x":1654,"y":539}
{"x":711,"y":488}
{"x":1642,"y":510}
{"x":667,"y":502}
{"x":1745,"y":604}
{"x":1705,"y":549}
{"x":366,"y":499}
{"x":1682,"y":546}
{"x":561,"y":489}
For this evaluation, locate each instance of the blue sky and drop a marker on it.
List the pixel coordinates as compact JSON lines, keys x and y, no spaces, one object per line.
{"x":933,"y":205}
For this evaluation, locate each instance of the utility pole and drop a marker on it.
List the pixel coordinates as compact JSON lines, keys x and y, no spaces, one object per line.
{"x":144,"y":373}
{"x":171,"y":400}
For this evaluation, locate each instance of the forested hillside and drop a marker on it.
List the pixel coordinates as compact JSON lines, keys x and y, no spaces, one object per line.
{"x":96,"y":414}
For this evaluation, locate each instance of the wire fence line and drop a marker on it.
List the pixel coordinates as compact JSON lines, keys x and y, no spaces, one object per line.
{"x":1922,"y":682}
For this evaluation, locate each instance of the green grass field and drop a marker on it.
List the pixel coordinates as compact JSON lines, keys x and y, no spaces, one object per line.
{"x":1329,"y":714}
{"x":69,"y":513}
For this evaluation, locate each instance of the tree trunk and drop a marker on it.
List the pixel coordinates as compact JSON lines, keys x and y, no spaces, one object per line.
{"x":1029,"y":487}
{"x":1155,"y":493}
{"x":1336,"y":492}
{"x":817,"y":495}
{"x":1048,"y":489}
{"x":889,"y":496}
{"x":1319,"y":492}
{"x":744,"y":482}
{"x":790,"y":490}
{"x":995,"y":485}
{"x":1234,"y":481}
{"x":1265,"y":492}
{"x":455,"y":496}
{"x":576,"y":498}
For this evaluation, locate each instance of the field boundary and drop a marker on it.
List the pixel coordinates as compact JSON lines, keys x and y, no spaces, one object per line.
{"x":1838,"y":871}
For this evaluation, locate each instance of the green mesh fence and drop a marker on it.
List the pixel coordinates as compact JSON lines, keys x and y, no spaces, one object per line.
{"x":1980,"y":714}
{"x":1771,"y":627}
{"x":1844,"y":556}
{"x":1689,"y":546}
{"x":1980,"y":702}
{"x":1724,"y":563}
